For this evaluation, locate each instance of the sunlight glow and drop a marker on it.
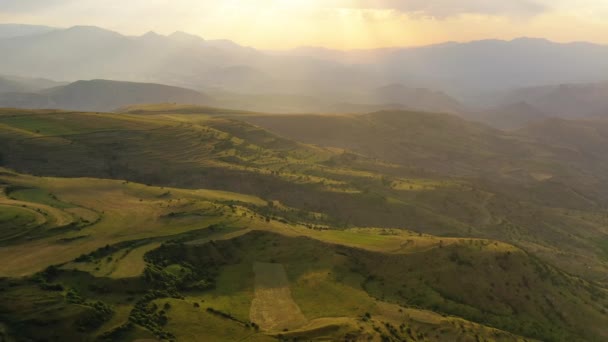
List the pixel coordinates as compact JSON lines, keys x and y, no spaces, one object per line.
{"x":279,"y":24}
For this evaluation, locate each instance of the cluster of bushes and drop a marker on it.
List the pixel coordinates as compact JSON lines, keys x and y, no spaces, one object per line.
{"x":168,"y":284}
{"x":45,"y":278}
{"x":272,"y":212}
{"x":101,"y":313}
{"x":393,"y":331}
{"x":197,"y":234}
{"x":232,"y":318}
{"x":224,"y":145}
{"x":118,"y":332}
{"x":317,"y":228}
{"x":106,"y":251}
{"x":148,"y":315}
{"x":164,"y":284}
{"x":189,"y":279}
{"x":73,"y":297}
{"x":159,"y":278}
{"x":51,"y":287}
{"x":201,"y":285}
{"x":459,"y":260}
{"x":223,"y":314}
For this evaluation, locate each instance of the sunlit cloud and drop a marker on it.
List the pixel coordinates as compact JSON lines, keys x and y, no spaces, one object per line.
{"x":447,"y":8}
{"x":274,"y":24}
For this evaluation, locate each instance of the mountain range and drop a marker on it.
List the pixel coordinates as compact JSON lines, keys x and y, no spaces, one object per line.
{"x":506,"y":84}
{"x":464,"y":70}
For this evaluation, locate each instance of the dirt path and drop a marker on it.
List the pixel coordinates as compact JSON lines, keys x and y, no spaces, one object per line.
{"x":273,"y":308}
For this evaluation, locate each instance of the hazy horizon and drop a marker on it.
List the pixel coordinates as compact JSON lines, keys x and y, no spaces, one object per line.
{"x":335,"y":24}
{"x":312,"y":46}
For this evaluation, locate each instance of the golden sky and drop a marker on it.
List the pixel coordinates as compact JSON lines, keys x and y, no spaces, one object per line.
{"x":344,"y":24}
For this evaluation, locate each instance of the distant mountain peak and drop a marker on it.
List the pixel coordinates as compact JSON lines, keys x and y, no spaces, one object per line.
{"x":184,"y":36}
{"x":106,"y":95}
{"x":223,"y":43}
{"x":87,"y":28}
{"x":88,"y":31}
{"x":151,"y":34}
{"x":531,"y":41}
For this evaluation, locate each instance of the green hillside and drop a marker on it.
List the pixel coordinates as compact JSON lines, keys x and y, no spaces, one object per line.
{"x":347,"y":187}
{"x":198,"y":250}
{"x":180,"y":222}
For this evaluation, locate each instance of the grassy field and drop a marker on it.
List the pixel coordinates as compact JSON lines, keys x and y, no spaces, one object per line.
{"x":273,"y":308}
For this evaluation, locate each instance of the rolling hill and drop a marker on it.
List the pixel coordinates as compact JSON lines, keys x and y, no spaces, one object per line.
{"x":442,"y":143}
{"x":416,"y":99}
{"x":187,"y":264}
{"x":425,"y":183}
{"x":567,"y":101}
{"x":175,"y":222}
{"x":390,"y":97}
{"x":449,"y":146}
{"x":101,"y":95}
{"x":107,"y":95}
{"x":510,"y":116}
{"x":587,"y":136}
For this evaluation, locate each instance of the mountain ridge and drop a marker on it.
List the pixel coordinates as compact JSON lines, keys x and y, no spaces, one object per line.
{"x":102,"y":95}
{"x":459,"y":69}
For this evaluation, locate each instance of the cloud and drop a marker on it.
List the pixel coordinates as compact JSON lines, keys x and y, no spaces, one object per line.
{"x":426,"y":8}
{"x":29,"y":6}
{"x":448,"y":8}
